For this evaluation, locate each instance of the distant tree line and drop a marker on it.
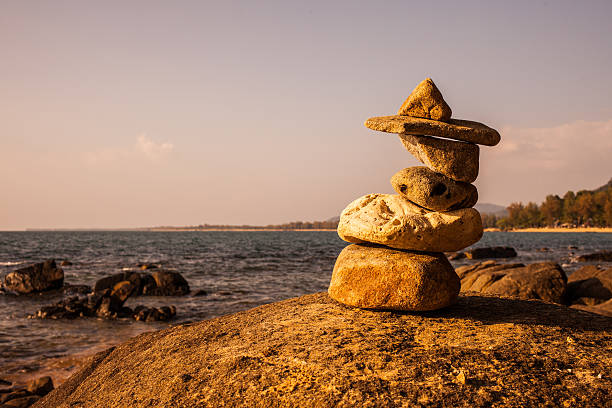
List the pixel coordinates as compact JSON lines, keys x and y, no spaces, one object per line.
{"x":582,"y":209}
{"x":297,"y":225}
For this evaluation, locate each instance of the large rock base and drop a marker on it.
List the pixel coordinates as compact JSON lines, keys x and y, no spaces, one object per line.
{"x":313,"y":352}
{"x":375,"y":277}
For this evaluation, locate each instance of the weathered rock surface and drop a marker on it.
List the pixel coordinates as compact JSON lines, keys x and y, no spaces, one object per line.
{"x":37,"y":277}
{"x":457,"y":160}
{"x":545,"y":280}
{"x":590,"y":282}
{"x":433,"y":191}
{"x":382,"y":278}
{"x":491,"y":252}
{"x":601,"y":256}
{"x":314,"y":352}
{"x":604,"y":308}
{"x":465,"y":270}
{"x":395,"y":222}
{"x":426,"y":101}
{"x":457,"y":129}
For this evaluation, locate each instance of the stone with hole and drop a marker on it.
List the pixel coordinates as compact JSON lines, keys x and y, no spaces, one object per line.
{"x":433,"y":191}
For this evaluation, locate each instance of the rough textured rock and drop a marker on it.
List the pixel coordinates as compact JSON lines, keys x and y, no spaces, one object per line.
{"x":314,"y":352}
{"x":491,"y":252}
{"x":457,"y":160}
{"x":35,"y":278}
{"x":426,"y":101}
{"x":601,"y":256}
{"x":545,"y":280}
{"x":382,"y":278}
{"x":590,"y":282}
{"x":433,"y":191}
{"x":456,"y":129}
{"x":392,"y":221}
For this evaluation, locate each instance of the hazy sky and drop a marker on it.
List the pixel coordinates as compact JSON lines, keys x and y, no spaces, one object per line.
{"x":142,"y":113}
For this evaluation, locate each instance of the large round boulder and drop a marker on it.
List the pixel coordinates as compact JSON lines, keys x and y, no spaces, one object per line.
{"x":376,"y":277}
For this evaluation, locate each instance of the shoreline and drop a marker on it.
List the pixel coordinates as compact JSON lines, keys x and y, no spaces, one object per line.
{"x":607,"y":230}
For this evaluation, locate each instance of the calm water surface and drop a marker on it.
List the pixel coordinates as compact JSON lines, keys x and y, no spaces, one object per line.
{"x":239,"y":270}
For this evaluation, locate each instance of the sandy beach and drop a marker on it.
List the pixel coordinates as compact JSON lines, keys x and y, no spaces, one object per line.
{"x":547,"y":229}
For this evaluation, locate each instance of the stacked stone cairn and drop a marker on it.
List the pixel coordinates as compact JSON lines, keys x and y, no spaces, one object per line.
{"x":396,"y":261}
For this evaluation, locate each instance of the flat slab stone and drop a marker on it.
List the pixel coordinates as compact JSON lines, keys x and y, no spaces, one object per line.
{"x":458,"y":129}
{"x":457,"y":160}
{"x":433,"y":191}
{"x":373,"y":277}
{"x":397,"y":223}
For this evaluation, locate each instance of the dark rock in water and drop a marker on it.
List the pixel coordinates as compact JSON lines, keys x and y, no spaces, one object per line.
{"x":108,"y":282}
{"x":601,"y":256}
{"x":546,"y":281}
{"x":168,"y":283}
{"x":25,"y":397}
{"x":35,"y":278}
{"x":69,"y":308}
{"x":106,"y":304}
{"x":491,"y":252}
{"x":108,"y":307}
{"x":123,"y":290}
{"x":147,"y":285}
{"x":590,"y":282}
{"x":144,"y":266}
{"x":66,"y":262}
{"x":23,"y":402}
{"x":159,"y":283}
{"x":200,"y":292}
{"x":150,"y":314}
{"x":314,"y":352}
{"x":76,"y":289}
{"x":41,"y":386}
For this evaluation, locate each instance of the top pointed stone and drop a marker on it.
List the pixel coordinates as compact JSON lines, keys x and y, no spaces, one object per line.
{"x":426,"y":102}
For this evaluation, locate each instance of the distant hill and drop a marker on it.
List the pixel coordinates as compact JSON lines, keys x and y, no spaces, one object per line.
{"x":605,"y":187}
{"x":494,"y":209}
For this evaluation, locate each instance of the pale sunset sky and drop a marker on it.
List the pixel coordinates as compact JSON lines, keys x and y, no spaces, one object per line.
{"x":147,"y":113}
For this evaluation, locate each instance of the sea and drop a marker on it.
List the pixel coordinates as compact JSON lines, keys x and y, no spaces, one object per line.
{"x":238,"y":270}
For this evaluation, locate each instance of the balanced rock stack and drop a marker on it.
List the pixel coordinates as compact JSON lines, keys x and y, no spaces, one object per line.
{"x":397,"y":260}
